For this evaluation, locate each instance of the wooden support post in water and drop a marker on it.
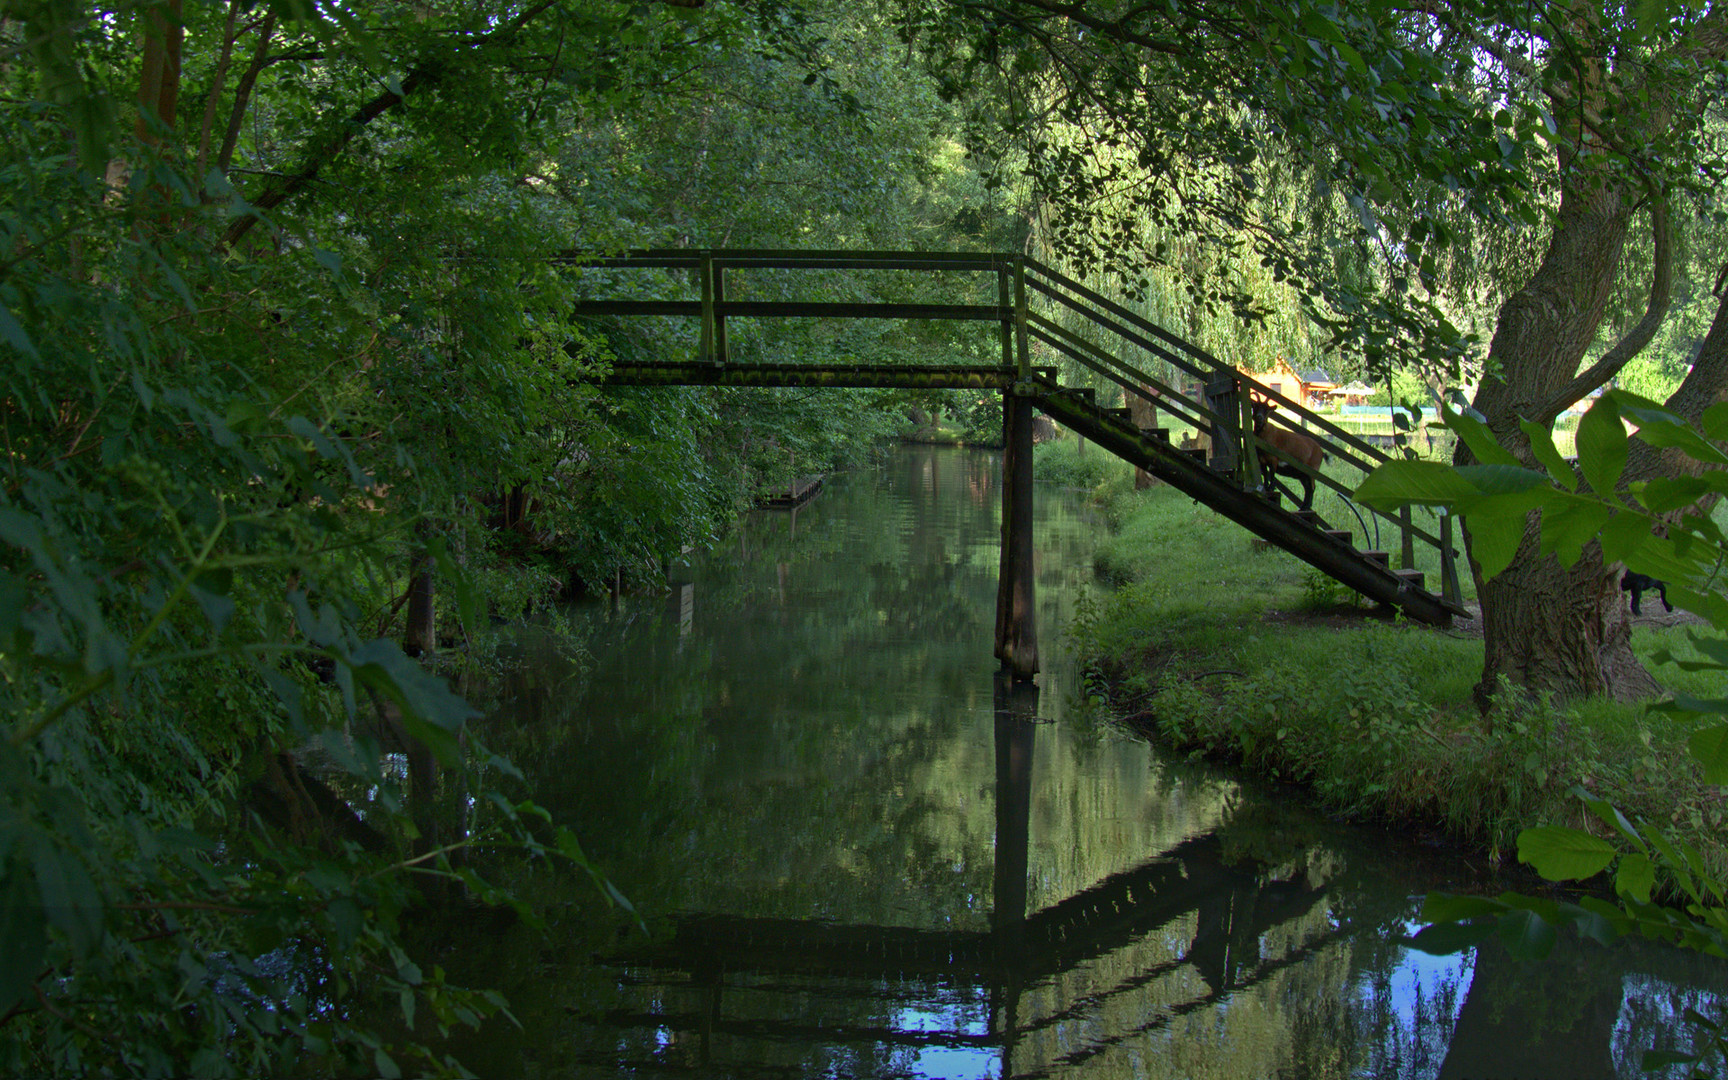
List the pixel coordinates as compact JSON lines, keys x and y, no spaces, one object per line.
{"x":1016,"y":611}
{"x":1016,"y":736}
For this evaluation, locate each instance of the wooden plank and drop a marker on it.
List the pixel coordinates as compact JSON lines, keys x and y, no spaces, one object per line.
{"x":677,"y":258}
{"x":849,"y":375}
{"x":794,"y":309}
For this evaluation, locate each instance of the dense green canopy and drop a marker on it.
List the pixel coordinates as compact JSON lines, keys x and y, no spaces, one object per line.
{"x":279,"y":330}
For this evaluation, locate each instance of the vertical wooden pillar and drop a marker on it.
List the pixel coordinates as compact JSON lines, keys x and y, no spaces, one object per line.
{"x":705,"y":349}
{"x":1450,"y":589}
{"x":1408,"y":538}
{"x":719,"y":313}
{"x":1016,"y":609}
{"x":1249,"y":472}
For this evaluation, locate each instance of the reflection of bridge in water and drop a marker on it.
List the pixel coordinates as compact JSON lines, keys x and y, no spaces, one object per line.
{"x":1190,"y":964}
{"x":717,"y":978}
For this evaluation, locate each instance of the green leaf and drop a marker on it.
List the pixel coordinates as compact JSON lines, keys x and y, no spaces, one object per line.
{"x":470,"y":597}
{"x":1446,"y":907}
{"x":1674,"y":492}
{"x":1475,"y":434}
{"x":217,"y":608}
{"x":1709,"y":747}
{"x":1443,"y":939}
{"x":1563,"y":854}
{"x":1610,"y":815}
{"x":346,"y":920}
{"x":1526,"y":935}
{"x":1542,"y":445}
{"x":23,"y":933}
{"x":1602,"y":446}
{"x":1661,"y":428}
{"x":1625,"y":534}
{"x":1497,"y":479}
{"x":1494,"y":536}
{"x":1570,"y":522}
{"x":69,"y":897}
{"x":1425,"y":483}
{"x":12,"y":332}
{"x":1635,"y":877}
{"x":1715,"y":421}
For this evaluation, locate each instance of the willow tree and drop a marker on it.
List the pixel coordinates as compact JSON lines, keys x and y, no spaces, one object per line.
{"x":1565,"y":124}
{"x":1627,"y":92}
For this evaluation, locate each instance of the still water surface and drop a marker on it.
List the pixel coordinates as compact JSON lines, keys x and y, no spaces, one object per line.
{"x":862,"y":855}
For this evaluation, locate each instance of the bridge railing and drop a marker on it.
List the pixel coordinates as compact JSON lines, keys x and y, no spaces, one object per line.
{"x":1224,"y":410}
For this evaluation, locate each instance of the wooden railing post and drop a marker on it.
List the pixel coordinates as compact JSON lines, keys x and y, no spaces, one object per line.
{"x":1005,"y":301}
{"x":705,"y":274}
{"x":1450,"y":590}
{"x":1249,"y":467}
{"x":719,"y":272}
{"x":1407,"y":538}
{"x":1022,"y":351}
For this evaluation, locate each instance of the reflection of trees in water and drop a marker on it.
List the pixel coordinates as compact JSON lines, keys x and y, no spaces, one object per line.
{"x":813,"y":776}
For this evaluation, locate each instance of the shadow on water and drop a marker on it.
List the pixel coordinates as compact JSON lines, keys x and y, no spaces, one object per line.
{"x":861,"y":853}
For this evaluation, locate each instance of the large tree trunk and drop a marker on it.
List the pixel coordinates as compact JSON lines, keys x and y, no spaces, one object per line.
{"x":1569,"y":631}
{"x":1547,"y":628}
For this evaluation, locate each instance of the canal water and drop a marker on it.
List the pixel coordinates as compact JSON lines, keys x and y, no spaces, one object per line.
{"x":854,"y":851}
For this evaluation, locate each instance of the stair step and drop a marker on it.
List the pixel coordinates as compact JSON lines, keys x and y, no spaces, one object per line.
{"x":1340,"y":535}
{"x":1162,"y":434}
{"x":1412,"y":577}
{"x":1309,"y":517}
{"x":1382,"y":557}
{"x":1198,"y":453}
{"x":1120,"y":413}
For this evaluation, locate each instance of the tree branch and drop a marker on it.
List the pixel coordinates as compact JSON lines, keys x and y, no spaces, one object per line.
{"x":345,"y":131}
{"x":243,"y":92}
{"x":1661,"y":293}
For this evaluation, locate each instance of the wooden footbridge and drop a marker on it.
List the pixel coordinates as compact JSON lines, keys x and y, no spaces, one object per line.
{"x":1039,"y":316}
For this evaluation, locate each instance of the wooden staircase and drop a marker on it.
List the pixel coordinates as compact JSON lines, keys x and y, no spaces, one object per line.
{"x":1300,"y":532}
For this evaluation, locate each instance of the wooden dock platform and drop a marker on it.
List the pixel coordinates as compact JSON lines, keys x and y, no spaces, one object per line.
{"x":802,"y":490}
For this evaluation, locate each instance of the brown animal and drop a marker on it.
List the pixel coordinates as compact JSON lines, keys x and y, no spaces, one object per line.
{"x":1293,"y":443}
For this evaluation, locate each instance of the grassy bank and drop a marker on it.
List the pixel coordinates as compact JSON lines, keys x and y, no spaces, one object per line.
{"x":1211,"y":645}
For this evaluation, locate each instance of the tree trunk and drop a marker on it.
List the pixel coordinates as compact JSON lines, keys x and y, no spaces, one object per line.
{"x":421,"y":636}
{"x":1547,"y":628}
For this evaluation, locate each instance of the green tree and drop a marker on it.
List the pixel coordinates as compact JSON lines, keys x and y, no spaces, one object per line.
{"x":1558,"y":127}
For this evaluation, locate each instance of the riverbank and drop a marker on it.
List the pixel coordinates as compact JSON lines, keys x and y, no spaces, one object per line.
{"x":1215,"y":647}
